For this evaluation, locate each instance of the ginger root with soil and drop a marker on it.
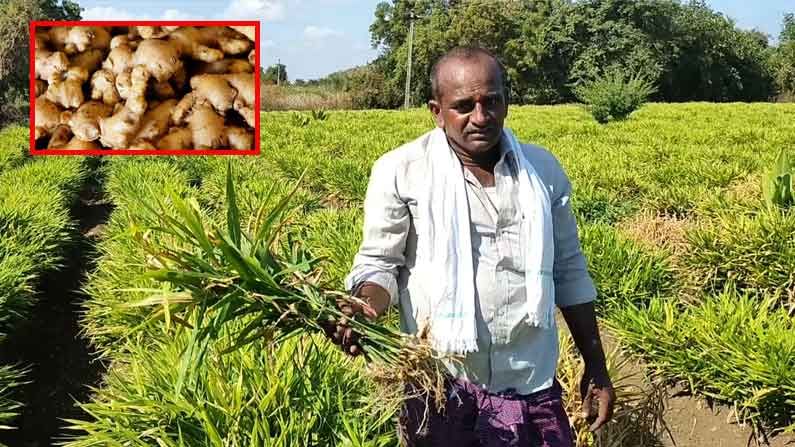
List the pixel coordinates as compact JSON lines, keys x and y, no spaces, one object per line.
{"x":144,"y":87}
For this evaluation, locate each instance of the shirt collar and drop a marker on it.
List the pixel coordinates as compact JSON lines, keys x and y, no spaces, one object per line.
{"x":505,"y":157}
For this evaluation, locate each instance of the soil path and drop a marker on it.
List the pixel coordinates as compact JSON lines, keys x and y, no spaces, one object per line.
{"x":62,"y":367}
{"x":693,"y":423}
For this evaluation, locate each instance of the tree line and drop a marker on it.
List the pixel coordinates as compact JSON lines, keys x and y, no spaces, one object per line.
{"x":549,"y":47}
{"x":14,"y":36}
{"x":688,"y":51}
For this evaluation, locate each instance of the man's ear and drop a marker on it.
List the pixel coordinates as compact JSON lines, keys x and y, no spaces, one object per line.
{"x":436,"y":110}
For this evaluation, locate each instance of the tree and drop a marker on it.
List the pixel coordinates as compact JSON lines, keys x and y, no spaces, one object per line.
{"x":270,"y":74}
{"x":548,"y":47}
{"x":716,"y":61}
{"x":784,"y":58}
{"x":788,"y":30}
{"x":440,"y":25}
{"x":14,"y":18}
{"x":587,"y":39}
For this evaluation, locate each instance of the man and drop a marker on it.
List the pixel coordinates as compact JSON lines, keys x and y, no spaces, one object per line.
{"x":472,"y":234}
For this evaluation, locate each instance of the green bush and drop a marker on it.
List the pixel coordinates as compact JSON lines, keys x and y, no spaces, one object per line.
{"x":614,"y":95}
{"x":754,"y":252}
{"x":122,"y":260}
{"x":34,"y":228}
{"x":599,"y":205}
{"x":300,"y":392}
{"x":623,"y":271}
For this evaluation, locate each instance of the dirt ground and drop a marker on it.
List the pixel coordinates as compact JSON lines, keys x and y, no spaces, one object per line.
{"x":693,"y":423}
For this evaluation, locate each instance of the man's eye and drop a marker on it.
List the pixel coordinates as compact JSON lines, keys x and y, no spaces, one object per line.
{"x":464,"y":107}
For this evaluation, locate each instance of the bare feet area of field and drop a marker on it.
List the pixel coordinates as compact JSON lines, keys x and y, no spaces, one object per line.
{"x":693,"y":423}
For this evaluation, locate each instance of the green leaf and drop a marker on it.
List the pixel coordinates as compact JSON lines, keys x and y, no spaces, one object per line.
{"x":232,"y":213}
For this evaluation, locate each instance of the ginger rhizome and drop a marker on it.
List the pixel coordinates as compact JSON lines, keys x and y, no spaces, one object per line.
{"x":144,"y":87}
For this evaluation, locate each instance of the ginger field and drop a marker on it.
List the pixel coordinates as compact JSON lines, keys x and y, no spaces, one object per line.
{"x":695,"y":273}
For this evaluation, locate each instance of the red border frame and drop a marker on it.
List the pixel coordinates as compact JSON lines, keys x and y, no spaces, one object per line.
{"x":32,"y":86}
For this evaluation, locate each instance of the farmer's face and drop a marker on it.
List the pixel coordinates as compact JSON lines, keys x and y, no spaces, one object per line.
{"x":471,"y":107}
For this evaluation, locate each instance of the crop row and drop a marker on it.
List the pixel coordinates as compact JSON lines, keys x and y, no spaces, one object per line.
{"x":35,"y":229}
{"x":299,"y":392}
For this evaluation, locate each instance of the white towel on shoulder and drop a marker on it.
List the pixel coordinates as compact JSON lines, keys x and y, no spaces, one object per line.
{"x":449,"y":279}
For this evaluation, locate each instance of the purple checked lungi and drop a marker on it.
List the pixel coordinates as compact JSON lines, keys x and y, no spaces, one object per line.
{"x":477,"y":418}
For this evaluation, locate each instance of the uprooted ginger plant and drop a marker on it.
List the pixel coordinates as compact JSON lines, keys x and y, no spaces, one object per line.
{"x":256,"y":277}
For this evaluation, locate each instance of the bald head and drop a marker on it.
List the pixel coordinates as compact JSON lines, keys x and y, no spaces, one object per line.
{"x":470,"y":102}
{"x":457,"y":56}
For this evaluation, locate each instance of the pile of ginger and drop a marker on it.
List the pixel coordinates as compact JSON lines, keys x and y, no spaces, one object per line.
{"x":145,"y":87}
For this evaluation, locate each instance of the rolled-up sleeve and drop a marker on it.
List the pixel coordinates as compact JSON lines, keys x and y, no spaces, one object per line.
{"x":386,"y":226}
{"x":573,"y":283}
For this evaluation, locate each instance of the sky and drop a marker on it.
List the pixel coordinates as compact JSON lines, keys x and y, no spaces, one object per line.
{"x":313,"y":38}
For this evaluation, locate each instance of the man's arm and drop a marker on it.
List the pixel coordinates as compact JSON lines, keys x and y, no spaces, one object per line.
{"x":574,"y":295}
{"x":376,"y":296}
{"x":386,"y":226}
{"x":373,"y":276}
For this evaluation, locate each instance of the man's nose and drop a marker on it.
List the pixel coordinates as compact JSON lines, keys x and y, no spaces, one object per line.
{"x":479,"y":116}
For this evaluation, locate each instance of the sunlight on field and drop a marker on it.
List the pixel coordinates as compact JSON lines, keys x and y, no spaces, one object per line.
{"x":695,"y":274}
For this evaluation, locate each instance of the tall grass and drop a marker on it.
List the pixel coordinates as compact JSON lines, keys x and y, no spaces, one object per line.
{"x":35,"y":228}
{"x":731,"y":348}
{"x":754,"y":253}
{"x":301,"y":392}
{"x":304,"y":98}
{"x":13,"y":146}
{"x":623,"y":271}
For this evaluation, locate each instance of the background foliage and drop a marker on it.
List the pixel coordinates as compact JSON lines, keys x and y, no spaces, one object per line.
{"x":14,"y":35}
{"x":688,"y":50}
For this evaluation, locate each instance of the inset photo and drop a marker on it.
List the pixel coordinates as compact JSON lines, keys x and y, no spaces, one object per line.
{"x":144,"y":88}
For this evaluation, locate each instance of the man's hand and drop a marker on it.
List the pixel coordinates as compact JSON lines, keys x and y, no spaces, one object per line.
{"x":376,"y":301}
{"x":596,"y":384}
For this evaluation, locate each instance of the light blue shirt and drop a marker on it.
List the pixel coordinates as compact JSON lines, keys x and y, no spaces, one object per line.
{"x":511,"y":354}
